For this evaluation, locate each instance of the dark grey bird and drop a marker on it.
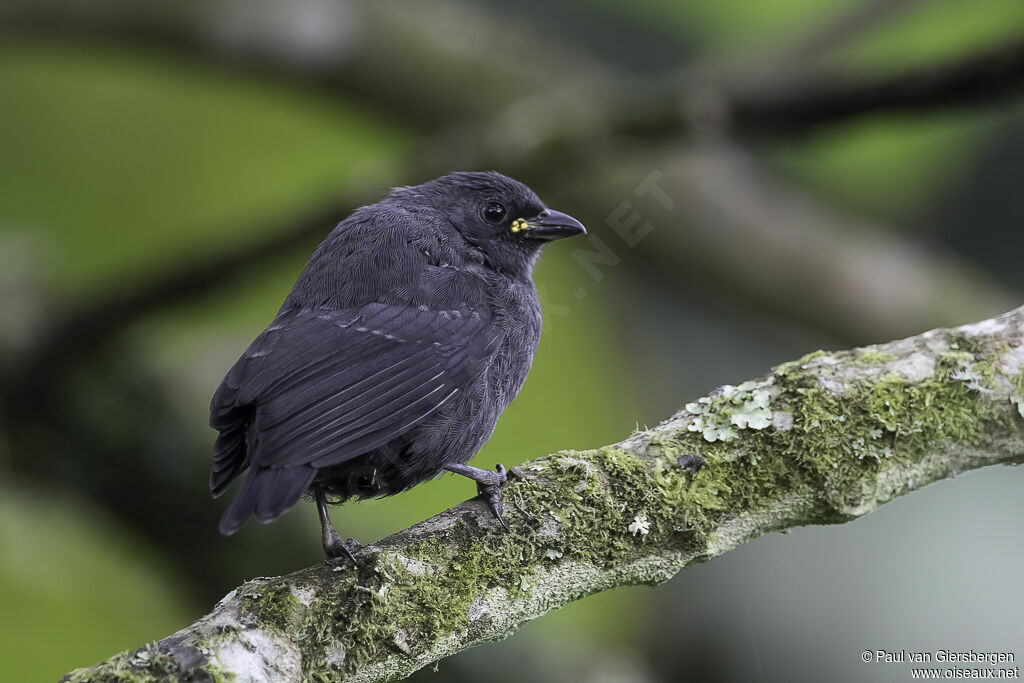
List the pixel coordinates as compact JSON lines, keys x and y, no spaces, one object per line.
{"x":410,"y":330}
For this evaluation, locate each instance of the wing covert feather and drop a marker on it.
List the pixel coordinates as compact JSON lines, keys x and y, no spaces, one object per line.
{"x":327,"y":386}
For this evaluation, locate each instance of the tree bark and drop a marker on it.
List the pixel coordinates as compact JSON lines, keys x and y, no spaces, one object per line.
{"x":824,"y":439}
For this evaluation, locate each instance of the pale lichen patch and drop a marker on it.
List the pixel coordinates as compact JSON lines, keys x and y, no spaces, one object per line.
{"x":754,"y":413}
{"x":1017,"y":392}
{"x":917,"y":367}
{"x":971,"y":376}
{"x":1018,"y":400}
{"x":548,"y":530}
{"x":401,"y":640}
{"x":478,"y":608}
{"x":640,"y":525}
{"x":414,"y":566}
{"x":228,"y":598}
{"x":747,"y":406}
{"x":1011,"y":362}
{"x":264,"y":656}
{"x":782,"y":420}
{"x":335,"y":655}
{"x":992,"y":326}
{"x":304,"y":594}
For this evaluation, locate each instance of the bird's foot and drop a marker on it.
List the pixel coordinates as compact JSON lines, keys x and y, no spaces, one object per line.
{"x":334,"y":547}
{"x":490,"y":490}
{"x":488,"y":485}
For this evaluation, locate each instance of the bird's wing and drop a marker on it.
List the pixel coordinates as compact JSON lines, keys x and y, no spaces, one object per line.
{"x":321,"y":387}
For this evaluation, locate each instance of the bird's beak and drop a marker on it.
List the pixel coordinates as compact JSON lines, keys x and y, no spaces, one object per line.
{"x":551,"y":225}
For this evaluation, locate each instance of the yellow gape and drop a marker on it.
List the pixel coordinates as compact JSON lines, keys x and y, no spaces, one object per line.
{"x":519,"y":224}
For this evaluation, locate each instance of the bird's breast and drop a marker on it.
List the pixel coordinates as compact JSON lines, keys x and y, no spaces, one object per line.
{"x":466,"y":423}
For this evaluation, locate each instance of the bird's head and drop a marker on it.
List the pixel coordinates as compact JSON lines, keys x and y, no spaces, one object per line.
{"x":500,"y":216}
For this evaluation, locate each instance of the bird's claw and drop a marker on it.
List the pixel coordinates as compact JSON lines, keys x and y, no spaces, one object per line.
{"x":334,"y":547}
{"x":490,"y":491}
{"x":486,"y":480}
{"x":488,"y":485}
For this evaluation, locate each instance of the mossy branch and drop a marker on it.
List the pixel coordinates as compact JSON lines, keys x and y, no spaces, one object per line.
{"x":824,"y":439}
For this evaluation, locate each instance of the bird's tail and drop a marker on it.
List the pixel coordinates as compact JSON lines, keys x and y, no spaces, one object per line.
{"x":230,"y":458}
{"x":265,"y":494}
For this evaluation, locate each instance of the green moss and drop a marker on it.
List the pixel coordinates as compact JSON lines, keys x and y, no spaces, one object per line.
{"x":593,"y":497}
{"x":966,"y":344}
{"x":795,"y":365}
{"x":218,"y":674}
{"x":116,"y":669}
{"x":417,"y":597}
{"x":146,"y":665}
{"x":580,"y":508}
{"x":867,"y":358}
{"x":837,"y":442}
{"x":272,"y":605}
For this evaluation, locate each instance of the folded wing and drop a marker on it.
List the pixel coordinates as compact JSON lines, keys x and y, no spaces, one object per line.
{"x":318,"y":388}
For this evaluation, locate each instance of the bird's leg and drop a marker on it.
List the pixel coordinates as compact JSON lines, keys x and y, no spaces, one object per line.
{"x":334,"y":547}
{"x":488,"y":485}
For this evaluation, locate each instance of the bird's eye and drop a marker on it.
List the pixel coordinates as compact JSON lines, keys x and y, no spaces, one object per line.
{"x":494,"y":212}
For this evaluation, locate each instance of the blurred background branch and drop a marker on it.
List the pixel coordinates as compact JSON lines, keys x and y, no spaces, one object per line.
{"x":543,"y":127}
{"x":848,"y":25}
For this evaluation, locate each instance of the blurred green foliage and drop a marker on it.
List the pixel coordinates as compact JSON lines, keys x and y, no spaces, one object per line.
{"x":74,"y":586}
{"x":125,"y":160}
{"x":916,"y":33}
{"x":724,"y":27}
{"x":118,"y":163}
{"x":885,"y":167}
{"x":929,"y":32}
